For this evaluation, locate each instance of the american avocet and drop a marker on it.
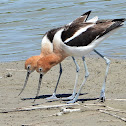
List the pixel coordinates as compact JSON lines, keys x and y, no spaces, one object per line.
{"x":31,"y":63}
{"x":78,"y":39}
{"x":46,"y":48}
{"x":81,"y":19}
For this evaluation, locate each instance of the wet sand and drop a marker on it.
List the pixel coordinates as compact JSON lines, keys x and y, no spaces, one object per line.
{"x":12,"y":77}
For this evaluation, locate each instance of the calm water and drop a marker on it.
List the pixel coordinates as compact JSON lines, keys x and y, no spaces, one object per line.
{"x":23,"y":23}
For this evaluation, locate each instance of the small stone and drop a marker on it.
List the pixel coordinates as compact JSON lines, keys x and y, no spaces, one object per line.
{"x":9,"y":75}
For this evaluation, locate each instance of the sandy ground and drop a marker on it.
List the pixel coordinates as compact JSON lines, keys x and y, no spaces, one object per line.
{"x":89,"y":115}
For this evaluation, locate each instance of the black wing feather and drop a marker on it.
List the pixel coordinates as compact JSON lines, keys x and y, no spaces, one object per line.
{"x":98,"y":30}
{"x":51,"y":33}
{"x":85,"y":38}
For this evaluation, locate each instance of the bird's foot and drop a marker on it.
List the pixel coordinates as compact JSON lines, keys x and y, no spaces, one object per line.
{"x":72,"y":101}
{"x":102,"y":97}
{"x":69,"y":98}
{"x":53,"y":97}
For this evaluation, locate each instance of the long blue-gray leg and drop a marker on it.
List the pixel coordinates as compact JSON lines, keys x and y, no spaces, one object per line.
{"x":76,"y":80}
{"x":102,"y":95}
{"x":74,"y":90}
{"x":84,"y":81}
{"x":54,"y":93}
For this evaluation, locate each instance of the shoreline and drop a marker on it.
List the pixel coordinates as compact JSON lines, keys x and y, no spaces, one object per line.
{"x":88,"y":55}
{"x":10,"y":87}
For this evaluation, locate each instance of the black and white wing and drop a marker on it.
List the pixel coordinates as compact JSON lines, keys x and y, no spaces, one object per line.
{"x":81,"y":19}
{"x":82,"y":34}
{"x":50,"y":34}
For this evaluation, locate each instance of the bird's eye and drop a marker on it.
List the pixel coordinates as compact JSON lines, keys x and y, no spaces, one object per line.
{"x":28,"y":67}
{"x":40,"y":69}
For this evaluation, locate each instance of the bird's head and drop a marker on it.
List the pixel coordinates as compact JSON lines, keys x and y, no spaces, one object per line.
{"x":31,"y":63}
{"x":44,"y":65}
{"x":30,"y":66}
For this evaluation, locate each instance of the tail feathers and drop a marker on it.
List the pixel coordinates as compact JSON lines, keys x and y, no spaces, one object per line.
{"x":117,"y":23}
{"x":121,"y":19}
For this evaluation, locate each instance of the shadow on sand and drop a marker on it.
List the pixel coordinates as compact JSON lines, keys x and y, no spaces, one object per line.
{"x":61,"y":96}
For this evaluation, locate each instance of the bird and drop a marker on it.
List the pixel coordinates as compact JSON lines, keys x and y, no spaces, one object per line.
{"x":82,"y":18}
{"x":49,"y":37}
{"x":78,"y":39}
{"x":30,"y":66}
{"x":31,"y":63}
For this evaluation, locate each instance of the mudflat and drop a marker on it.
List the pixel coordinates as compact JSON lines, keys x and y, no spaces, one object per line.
{"x":89,"y":111}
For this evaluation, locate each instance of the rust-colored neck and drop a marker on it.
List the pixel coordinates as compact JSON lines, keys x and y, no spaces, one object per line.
{"x":55,"y":58}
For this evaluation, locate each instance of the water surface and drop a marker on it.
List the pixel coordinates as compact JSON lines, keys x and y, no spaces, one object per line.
{"x":23,"y":23}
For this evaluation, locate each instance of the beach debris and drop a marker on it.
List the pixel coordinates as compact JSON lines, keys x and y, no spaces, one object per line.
{"x":107,"y":110}
{"x":35,"y":107}
{"x":69,"y":108}
{"x":0,"y":77}
{"x":15,"y":70}
{"x":9,"y":74}
{"x":66,"y":111}
{"x":117,"y":99}
{"x":114,"y":115}
{"x":101,"y":108}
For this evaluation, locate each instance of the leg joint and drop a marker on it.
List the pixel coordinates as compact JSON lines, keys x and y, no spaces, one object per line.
{"x":77,"y":68}
{"x":87,"y":74}
{"x":61,"y":71}
{"x":107,"y":61}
